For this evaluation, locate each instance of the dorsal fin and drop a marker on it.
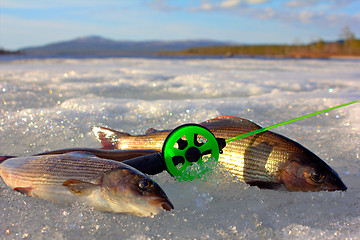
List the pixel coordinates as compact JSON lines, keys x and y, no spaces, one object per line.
{"x":80,"y":154}
{"x":151,"y":130}
{"x":226,"y":120}
{"x":108,"y":137}
{"x":226,"y":117}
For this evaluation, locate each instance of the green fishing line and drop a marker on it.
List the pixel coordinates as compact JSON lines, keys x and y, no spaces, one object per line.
{"x":287,"y":122}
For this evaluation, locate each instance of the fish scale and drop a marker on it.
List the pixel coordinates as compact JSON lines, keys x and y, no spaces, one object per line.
{"x":258,"y":164}
{"x":47,"y":169}
{"x":236,"y":164}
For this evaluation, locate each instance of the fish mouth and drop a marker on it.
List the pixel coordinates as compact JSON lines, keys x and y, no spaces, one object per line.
{"x":167,"y":206}
{"x":343,"y":188}
{"x":163,"y":203}
{"x":339,"y":186}
{"x":335,"y":183}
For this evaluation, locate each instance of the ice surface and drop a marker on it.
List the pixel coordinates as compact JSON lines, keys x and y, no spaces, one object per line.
{"x":50,"y":104}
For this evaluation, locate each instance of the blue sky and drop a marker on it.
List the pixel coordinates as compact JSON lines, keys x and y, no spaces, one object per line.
{"x":26,"y":23}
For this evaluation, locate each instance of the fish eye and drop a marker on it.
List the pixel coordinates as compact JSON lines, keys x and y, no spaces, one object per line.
{"x":317,"y":176}
{"x":145,"y":184}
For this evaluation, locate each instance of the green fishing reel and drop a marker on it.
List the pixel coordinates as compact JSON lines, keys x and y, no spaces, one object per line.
{"x":186,"y":145}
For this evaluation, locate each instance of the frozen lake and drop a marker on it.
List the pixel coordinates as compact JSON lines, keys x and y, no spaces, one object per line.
{"x":50,"y":104}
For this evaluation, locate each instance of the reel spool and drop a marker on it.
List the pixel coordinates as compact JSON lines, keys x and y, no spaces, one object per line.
{"x":182,"y":146}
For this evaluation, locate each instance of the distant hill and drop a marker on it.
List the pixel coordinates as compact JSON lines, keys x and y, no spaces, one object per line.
{"x":99,"y":46}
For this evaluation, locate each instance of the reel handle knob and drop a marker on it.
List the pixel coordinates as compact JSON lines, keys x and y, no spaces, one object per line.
{"x":192,"y":154}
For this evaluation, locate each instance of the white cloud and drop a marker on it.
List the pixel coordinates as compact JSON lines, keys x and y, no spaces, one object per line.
{"x":301,"y":3}
{"x":229,"y":3}
{"x":318,"y":13}
{"x":234,"y":3}
{"x":306,"y":16}
{"x":256,"y":1}
{"x":330,"y":4}
{"x":206,"y":6}
{"x":269,"y":12}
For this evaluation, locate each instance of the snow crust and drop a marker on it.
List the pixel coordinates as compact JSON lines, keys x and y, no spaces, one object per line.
{"x":49,"y":104}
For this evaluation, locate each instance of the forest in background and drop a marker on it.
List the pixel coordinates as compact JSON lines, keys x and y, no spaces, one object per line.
{"x":349,"y":46}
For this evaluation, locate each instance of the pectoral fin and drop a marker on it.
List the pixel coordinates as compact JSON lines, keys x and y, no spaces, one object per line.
{"x":264,"y":185}
{"x":24,"y":190}
{"x":80,"y":187}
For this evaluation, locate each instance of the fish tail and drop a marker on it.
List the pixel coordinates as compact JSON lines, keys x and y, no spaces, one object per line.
{"x":108,"y":138}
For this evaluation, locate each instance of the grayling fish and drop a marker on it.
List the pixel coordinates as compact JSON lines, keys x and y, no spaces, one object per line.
{"x":266,"y":160}
{"x":105,"y":185}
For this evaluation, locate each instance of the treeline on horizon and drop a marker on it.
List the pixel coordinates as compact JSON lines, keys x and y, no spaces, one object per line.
{"x":349,"y":47}
{"x":320,"y":49}
{"x":3,"y":51}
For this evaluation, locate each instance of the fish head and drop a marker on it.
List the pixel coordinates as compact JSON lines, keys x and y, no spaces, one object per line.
{"x":307,"y":172}
{"x":128,"y":188}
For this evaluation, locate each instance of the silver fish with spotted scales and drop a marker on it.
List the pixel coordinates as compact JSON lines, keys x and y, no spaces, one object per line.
{"x":105,"y":185}
{"x":266,"y":160}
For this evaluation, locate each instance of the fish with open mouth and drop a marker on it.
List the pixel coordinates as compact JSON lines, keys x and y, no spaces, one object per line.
{"x":266,"y":160}
{"x":105,"y":185}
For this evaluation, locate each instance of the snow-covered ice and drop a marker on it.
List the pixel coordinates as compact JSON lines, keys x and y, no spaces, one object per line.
{"x":48,"y":104}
